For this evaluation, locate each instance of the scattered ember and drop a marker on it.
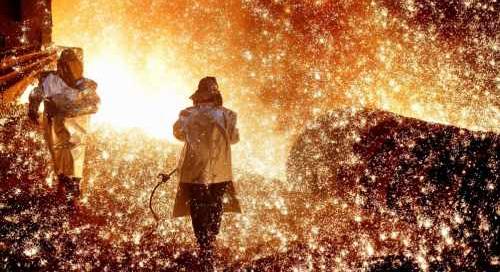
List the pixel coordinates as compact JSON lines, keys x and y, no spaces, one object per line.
{"x":416,"y":195}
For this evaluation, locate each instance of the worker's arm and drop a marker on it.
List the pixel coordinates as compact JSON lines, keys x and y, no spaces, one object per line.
{"x":85,"y":83}
{"x":234,"y":133}
{"x":35,"y":98}
{"x":180,"y":125}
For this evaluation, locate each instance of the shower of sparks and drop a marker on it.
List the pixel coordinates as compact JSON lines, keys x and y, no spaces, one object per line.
{"x":282,"y":65}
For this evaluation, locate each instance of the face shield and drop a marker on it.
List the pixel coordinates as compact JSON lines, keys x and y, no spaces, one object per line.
{"x":70,"y":67}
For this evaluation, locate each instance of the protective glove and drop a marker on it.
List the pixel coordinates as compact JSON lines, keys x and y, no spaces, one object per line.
{"x":86,"y":83}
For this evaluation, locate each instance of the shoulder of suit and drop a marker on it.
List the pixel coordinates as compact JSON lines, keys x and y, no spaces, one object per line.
{"x":187,"y":111}
{"x":46,"y":74}
{"x":229,"y":112}
{"x":86,"y":83}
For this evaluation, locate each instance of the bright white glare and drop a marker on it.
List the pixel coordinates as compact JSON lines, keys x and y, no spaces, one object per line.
{"x":149,"y":100}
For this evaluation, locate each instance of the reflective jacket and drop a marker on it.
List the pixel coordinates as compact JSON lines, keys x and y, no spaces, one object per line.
{"x":65,"y":137}
{"x":208,"y":132}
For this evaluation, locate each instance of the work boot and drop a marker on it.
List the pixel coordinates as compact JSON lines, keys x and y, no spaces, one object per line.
{"x":62,"y":187}
{"x":79,"y":214}
{"x":73,"y":195}
{"x":207,"y":260}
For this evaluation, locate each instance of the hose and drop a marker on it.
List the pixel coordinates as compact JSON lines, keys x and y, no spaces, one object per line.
{"x":164,"y":178}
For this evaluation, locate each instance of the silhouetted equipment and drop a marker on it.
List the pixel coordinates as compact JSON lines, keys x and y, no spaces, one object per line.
{"x":2,"y":41}
{"x":25,"y":44}
{"x":386,"y":160}
{"x":25,"y":23}
{"x":415,"y":169}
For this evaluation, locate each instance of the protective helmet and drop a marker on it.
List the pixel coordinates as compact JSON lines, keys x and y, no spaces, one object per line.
{"x":70,"y":66}
{"x":207,"y":90}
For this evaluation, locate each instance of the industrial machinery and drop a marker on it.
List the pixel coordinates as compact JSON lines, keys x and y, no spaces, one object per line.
{"x":26,"y":47}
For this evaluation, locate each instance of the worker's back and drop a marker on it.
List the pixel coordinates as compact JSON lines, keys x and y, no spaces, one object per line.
{"x":208,"y":131}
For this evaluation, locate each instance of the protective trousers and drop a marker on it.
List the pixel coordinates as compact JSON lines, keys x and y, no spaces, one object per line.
{"x":64,"y":137}
{"x":206,"y":207}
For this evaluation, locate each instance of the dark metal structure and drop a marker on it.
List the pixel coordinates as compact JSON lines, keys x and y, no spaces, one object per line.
{"x":25,"y":44}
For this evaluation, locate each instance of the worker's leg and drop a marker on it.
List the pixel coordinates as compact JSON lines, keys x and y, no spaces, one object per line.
{"x":206,"y":206}
{"x":215,"y":211}
{"x":199,"y":214}
{"x":63,"y":183}
{"x":64,"y":164}
{"x":63,"y":159}
{"x":74,"y":194}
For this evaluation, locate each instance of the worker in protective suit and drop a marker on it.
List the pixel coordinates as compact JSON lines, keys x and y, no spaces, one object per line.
{"x":64,"y":129}
{"x":205,"y":172}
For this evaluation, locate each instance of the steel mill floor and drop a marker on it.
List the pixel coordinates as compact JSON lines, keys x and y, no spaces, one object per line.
{"x":279,"y":230}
